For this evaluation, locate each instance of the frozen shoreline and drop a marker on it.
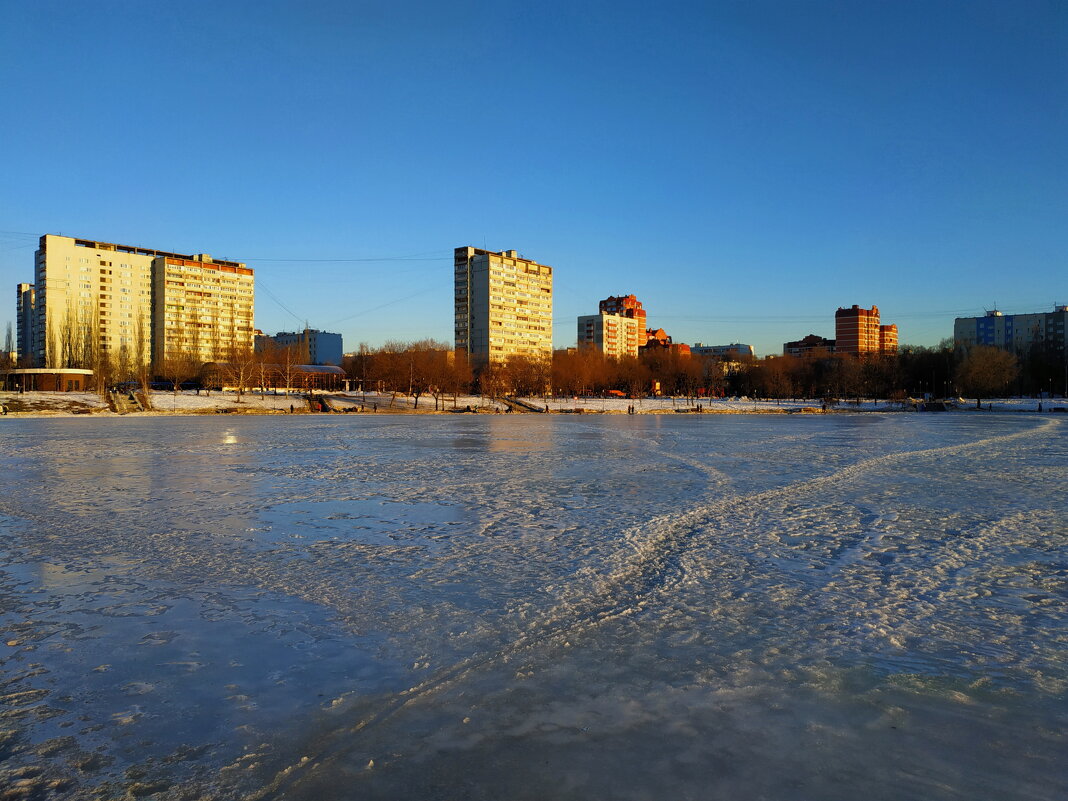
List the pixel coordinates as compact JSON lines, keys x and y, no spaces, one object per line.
{"x":165,"y":404}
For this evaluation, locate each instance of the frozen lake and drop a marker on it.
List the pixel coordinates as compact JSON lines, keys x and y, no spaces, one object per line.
{"x":536,"y":607}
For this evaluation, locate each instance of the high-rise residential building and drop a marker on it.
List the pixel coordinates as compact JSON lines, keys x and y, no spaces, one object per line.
{"x":317,"y":347}
{"x":858,"y":331}
{"x":625,"y":306}
{"x":888,"y":339}
{"x":100,"y":298}
{"x":618,"y":329}
{"x":92,"y":297}
{"x":503,"y":306}
{"x":612,"y":334}
{"x":26,"y":308}
{"x":1015,"y":332}
{"x":202,"y":309}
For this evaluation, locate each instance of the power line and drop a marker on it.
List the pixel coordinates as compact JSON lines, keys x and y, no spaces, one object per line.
{"x":251,"y":259}
{"x":384,"y":305}
{"x":273,"y":297}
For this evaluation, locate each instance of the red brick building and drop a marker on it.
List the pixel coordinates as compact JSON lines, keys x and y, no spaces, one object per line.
{"x":624,"y":306}
{"x":811,"y":345}
{"x":659,"y":339}
{"x":858,"y":331}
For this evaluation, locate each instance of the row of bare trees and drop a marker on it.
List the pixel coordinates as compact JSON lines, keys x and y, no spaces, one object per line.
{"x":414,"y":369}
{"x":942,"y":371}
{"x":74,"y":341}
{"x":432,"y":368}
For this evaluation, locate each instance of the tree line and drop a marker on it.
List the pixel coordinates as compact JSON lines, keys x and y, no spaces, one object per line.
{"x":431,"y":368}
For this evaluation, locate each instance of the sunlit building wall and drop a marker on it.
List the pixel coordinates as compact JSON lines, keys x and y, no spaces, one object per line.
{"x":91,"y":297}
{"x":202,"y":308}
{"x":101,"y":299}
{"x":503,"y":306}
{"x":857,"y":331}
{"x":611,"y":334}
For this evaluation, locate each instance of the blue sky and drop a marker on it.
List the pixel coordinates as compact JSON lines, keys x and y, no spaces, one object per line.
{"x":743,"y":167}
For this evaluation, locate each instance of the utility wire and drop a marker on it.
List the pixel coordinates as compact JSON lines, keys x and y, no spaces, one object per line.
{"x":274,"y":297}
{"x":385,"y":305}
{"x":250,"y":260}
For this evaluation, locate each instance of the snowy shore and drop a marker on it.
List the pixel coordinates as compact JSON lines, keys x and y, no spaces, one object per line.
{"x":72,"y":404}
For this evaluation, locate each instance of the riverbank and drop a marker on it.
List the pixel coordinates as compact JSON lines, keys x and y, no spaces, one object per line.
{"x":74,"y":404}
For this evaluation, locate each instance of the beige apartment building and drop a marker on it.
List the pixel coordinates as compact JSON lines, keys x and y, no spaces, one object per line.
{"x":91,"y":297}
{"x":100,"y":298}
{"x":503,"y":306}
{"x":202,"y":309}
{"x":612,"y":334}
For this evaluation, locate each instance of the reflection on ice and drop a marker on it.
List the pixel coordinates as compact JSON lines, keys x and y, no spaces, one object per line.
{"x":537,"y":607}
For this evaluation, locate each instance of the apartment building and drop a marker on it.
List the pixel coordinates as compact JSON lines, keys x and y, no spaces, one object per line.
{"x":812,"y":345}
{"x":612,"y":334}
{"x":659,"y":340}
{"x":202,"y":309}
{"x":1015,"y":332}
{"x":92,"y":297}
{"x":26,"y":307}
{"x":104,"y":299}
{"x":318,"y":347}
{"x":625,"y":306}
{"x":618,"y":329}
{"x":503,"y":306}
{"x":858,"y":331}
{"x":735,"y":350}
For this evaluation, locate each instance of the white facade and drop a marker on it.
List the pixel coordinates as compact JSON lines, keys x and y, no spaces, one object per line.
{"x":503,"y":306}
{"x":612,"y":334}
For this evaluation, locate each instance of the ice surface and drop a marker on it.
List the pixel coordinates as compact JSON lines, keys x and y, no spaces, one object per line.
{"x":536,"y":607}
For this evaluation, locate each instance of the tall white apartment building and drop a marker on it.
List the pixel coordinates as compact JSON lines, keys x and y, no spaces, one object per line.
{"x":612,"y":334}
{"x":91,"y":297}
{"x":202,"y":309}
{"x":504,"y":306}
{"x":103,"y":299}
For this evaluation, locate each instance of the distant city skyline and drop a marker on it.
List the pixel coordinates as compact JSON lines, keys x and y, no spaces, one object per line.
{"x":745,"y":169}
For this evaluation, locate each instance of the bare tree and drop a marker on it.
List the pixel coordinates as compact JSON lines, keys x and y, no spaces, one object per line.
{"x":6,"y":359}
{"x":240,"y":356}
{"x":493,"y":380}
{"x":141,"y":357}
{"x":986,"y":371}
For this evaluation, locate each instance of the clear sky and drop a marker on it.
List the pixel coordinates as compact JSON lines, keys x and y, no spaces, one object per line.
{"x":744,"y":168}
